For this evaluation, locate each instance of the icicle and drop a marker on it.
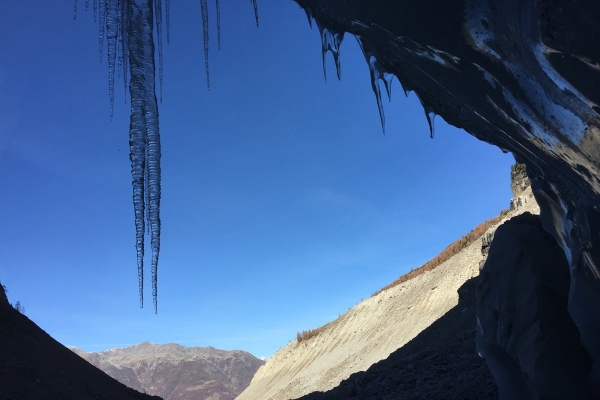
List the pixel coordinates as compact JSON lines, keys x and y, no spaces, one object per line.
{"x":124,"y":28}
{"x":144,"y":136}
{"x":101,"y":22}
{"x":308,"y":12}
{"x":431,"y":121}
{"x":388,"y":78}
{"x":218,"y":24}
{"x":112,"y":34}
{"x":137,"y":143}
{"x":147,"y":193}
{"x":204,"y":7}
{"x":168,"y":17}
{"x":429,"y":114}
{"x":158,"y":18}
{"x":119,"y":41}
{"x":153,"y":158}
{"x":376,"y":74}
{"x":95,"y":10}
{"x":330,"y":41}
{"x":87,"y":5}
{"x":75,"y":10}
{"x":255,"y":10}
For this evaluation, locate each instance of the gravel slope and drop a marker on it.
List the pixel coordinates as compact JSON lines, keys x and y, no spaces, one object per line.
{"x":369,"y":332}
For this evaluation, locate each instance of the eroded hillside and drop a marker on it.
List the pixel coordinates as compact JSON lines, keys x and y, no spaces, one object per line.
{"x":373,"y":329}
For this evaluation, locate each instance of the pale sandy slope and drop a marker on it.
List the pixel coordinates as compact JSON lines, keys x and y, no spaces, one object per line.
{"x":368,"y":332}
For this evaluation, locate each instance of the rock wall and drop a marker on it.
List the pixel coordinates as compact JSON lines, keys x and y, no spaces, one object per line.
{"x":525,"y":332}
{"x":523,"y":75}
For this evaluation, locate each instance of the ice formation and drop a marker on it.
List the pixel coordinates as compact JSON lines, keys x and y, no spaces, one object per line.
{"x":128,"y":28}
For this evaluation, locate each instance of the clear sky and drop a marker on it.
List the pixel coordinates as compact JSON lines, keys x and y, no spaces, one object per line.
{"x":283,"y":203}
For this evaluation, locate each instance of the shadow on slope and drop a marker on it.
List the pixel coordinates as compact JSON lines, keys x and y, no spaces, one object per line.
{"x":35,"y":366}
{"x":440,"y":363}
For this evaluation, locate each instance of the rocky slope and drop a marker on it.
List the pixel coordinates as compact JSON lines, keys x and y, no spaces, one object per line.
{"x":175,"y":372}
{"x":35,"y":366}
{"x":375,"y":328}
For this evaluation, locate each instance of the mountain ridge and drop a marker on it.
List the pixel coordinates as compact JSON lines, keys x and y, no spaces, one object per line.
{"x":176,"y":372}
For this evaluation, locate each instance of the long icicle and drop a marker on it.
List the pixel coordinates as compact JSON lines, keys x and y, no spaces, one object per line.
{"x":204,"y":8}
{"x":154,"y":152}
{"x":218,"y":24}
{"x":101,"y":24}
{"x":137,"y":135}
{"x":112,"y":36}
{"x":125,"y":18}
{"x":168,"y":17}
{"x":158,"y":15}
{"x":255,"y":10}
{"x":119,"y":40}
{"x":75,"y":10}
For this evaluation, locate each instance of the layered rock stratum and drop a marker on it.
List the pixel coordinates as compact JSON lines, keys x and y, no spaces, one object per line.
{"x":176,"y":372}
{"x":371,"y":335}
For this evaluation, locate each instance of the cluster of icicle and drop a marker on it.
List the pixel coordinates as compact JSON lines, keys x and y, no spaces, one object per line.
{"x":127,"y":26}
{"x":331,"y":42}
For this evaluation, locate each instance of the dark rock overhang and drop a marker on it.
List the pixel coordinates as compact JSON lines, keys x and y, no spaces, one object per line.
{"x":523,"y":75}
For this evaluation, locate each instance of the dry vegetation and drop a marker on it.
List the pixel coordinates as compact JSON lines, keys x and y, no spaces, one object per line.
{"x":305,"y":335}
{"x":448,"y":252}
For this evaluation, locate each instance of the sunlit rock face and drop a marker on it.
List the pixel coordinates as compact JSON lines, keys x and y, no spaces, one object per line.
{"x":523,"y":75}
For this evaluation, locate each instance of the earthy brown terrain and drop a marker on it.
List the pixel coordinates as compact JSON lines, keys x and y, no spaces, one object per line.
{"x":35,"y":366}
{"x":176,"y":372}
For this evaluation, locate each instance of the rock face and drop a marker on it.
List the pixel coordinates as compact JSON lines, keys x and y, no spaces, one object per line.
{"x":35,"y":366}
{"x":175,"y":372}
{"x":525,"y":332}
{"x":523,"y":75}
{"x":372,"y":331}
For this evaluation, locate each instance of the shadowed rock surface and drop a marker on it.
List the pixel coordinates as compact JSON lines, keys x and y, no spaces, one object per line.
{"x":526,"y":334}
{"x":523,"y":75}
{"x":176,"y":372}
{"x":35,"y":366}
{"x":440,"y":363}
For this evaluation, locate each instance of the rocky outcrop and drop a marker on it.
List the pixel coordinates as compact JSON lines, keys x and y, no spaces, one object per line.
{"x":523,"y":75}
{"x":519,"y":181}
{"x":35,"y":366}
{"x":176,"y":372}
{"x":520,"y":186}
{"x":525,"y":332}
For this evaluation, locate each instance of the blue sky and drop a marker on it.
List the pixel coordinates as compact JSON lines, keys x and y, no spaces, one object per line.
{"x":283,"y":203}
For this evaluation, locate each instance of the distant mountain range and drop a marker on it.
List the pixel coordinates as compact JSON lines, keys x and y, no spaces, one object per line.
{"x":176,"y":372}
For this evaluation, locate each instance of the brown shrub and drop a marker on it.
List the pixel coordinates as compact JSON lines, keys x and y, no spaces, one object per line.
{"x":305,"y":335}
{"x":448,"y":252}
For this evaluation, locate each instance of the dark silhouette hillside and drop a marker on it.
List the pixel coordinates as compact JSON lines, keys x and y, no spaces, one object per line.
{"x":35,"y":366}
